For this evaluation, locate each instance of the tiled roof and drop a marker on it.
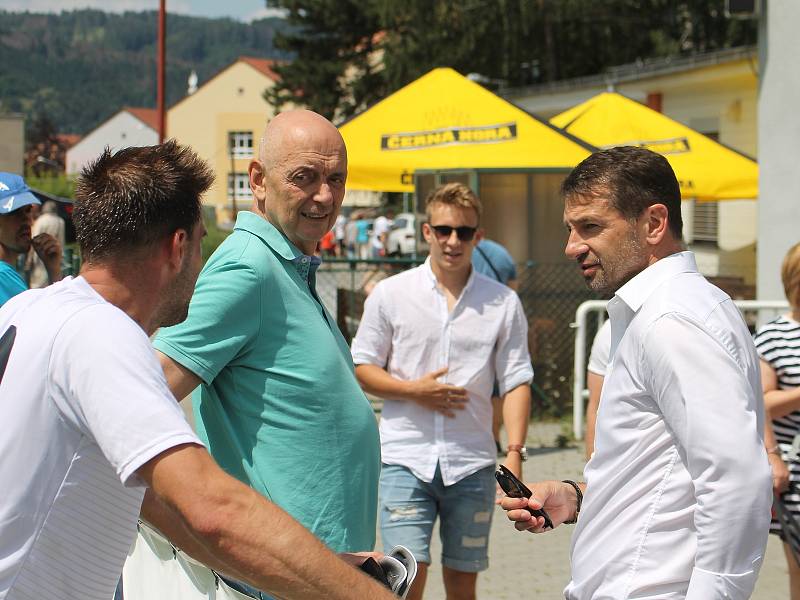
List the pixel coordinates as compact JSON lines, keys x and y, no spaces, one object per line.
{"x":68,"y":139}
{"x":148,"y":116}
{"x":263,"y":65}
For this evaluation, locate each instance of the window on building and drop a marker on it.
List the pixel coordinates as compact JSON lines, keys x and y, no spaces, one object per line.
{"x":240,"y":183}
{"x":240,"y":144}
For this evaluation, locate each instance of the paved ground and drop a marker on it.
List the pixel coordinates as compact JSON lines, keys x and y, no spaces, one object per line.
{"x":537,"y":566}
{"x":524,"y":565}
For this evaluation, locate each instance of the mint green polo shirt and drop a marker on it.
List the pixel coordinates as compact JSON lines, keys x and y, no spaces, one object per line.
{"x":279,"y":405}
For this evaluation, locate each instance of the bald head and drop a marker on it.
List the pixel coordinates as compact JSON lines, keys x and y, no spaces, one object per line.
{"x":298,"y":128}
{"x":298,"y":181}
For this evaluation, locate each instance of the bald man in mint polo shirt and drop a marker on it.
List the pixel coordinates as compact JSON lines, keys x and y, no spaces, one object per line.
{"x":278,"y":404}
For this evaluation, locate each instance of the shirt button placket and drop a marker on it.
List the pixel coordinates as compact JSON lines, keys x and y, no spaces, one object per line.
{"x":445,"y":357}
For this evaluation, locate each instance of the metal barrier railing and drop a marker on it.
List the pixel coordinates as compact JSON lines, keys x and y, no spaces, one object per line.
{"x":754,"y":311}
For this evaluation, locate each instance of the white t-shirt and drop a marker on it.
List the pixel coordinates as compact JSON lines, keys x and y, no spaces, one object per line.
{"x":601,"y":349}
{"x":382,"y":225}
{"x":83,"y":405}
{"x":338,"y":227}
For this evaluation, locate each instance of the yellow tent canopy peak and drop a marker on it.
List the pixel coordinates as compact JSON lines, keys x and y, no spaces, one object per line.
{"x":445,"y":121}
{"x":706,"y":169}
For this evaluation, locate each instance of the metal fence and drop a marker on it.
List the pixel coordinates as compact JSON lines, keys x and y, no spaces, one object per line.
{"x":550,"y":295}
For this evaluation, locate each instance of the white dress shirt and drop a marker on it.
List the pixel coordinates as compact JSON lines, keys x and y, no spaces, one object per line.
{"x":679,"y":489}
{"x":407,"y":330}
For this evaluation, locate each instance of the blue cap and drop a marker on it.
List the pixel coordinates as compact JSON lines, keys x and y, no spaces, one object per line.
{"x":14,"y":193}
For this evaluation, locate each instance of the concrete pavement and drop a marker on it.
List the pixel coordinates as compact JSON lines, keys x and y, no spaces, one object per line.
{"x":524,"y":565}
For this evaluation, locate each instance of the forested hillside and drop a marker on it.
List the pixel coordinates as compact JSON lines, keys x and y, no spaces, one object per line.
{"x":76,"y":69}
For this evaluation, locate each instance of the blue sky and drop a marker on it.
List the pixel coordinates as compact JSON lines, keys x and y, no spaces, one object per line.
{"x":241,"y":10}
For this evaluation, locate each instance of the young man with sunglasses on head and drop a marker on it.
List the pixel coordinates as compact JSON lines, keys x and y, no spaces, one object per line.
{"x":432,"y":341}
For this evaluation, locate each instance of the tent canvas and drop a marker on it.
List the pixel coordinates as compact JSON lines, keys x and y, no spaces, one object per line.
{"x":706,"y":170}
{"x":445,"y":121}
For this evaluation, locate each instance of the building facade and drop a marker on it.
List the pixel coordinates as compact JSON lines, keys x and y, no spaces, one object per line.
{"x":222,"y":121}
{"x":129,"y":127}
{"x":12,"y":142}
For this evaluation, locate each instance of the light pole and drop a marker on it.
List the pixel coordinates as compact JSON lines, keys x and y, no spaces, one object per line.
{"x":160,"y":68}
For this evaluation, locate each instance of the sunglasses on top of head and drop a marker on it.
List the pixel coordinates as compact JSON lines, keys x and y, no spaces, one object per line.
{"x":464,"y":233}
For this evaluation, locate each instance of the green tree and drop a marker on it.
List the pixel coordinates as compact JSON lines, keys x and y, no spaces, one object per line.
{"x":349,"y":54}
{"x":332,"y":43}
{"x":81,"y":67}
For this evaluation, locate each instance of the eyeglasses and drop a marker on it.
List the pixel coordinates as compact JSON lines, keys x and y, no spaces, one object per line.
{"x":464,"y":233}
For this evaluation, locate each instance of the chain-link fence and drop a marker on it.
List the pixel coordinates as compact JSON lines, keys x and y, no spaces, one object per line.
{"x":550,"y":294}
{"x":343,"y":284}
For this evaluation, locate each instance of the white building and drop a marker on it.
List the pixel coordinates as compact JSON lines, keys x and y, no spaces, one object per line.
{"x":129,"y":127}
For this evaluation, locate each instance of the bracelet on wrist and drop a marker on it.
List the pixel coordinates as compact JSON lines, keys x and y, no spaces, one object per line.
{"x":774,"y":450}
{"x":578,"y":500}
{"x":519,"y":449}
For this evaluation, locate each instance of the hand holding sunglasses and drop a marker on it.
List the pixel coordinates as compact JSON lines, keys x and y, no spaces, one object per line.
{"x":514,"y":488}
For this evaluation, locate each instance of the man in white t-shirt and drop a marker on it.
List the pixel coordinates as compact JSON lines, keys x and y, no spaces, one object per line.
{"x":89,"y":423}
{"x":380,"y":233}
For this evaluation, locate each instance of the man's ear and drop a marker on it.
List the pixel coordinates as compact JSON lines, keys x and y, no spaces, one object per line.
{"x":257,"y":175}
{"x":427,"y":233}
{"x":176,"y":248}
{"x":656,"y":223}
{"x":478,"y":235}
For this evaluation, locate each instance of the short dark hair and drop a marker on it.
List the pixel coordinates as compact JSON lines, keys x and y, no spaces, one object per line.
{"x":137,"y":196}
{"x":632,"y":178}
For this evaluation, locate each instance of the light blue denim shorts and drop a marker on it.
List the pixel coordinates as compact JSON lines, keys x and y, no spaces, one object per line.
{"x":409,"y":507}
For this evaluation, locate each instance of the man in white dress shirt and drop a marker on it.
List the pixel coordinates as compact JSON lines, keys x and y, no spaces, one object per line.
{"x":431,"y":342}
{"x":678,"y":491}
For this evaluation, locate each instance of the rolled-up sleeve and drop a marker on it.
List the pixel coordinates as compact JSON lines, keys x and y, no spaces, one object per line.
{"x":512,"y":360}
{"x":373,"y":340}
{"x":712,"y":411}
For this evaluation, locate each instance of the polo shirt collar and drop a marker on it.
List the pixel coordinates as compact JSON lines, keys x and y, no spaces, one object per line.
{"x":636,"y":291}
{"x":259,"y":226}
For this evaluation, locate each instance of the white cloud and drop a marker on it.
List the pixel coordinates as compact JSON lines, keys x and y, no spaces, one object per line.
{"x":247,"y":11}
{"x":117,"y":6}
{"x":56,"y":6}
{"x":263,"y":13}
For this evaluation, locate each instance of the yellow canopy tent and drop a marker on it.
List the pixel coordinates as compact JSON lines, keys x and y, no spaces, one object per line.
{"x":445,"y":121}
{"x":706,"y":170}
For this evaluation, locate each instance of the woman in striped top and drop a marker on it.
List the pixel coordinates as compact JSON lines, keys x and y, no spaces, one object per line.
{"x":778,"y":345}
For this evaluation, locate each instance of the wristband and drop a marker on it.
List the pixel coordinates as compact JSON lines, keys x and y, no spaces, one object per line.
{"x":774,"y":450}
{"x":579,"y":500}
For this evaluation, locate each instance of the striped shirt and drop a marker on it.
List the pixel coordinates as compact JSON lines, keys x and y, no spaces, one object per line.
{"x":778,"y":344}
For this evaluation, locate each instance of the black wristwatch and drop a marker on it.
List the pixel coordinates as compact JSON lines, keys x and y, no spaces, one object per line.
{"x":579,"y":500}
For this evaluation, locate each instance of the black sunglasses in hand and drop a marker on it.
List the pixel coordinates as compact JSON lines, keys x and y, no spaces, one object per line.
{"x":514,"y":488}
{"x":464,"y":233}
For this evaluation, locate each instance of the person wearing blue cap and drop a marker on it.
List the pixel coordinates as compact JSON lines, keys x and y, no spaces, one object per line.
{"x":16,"y":200}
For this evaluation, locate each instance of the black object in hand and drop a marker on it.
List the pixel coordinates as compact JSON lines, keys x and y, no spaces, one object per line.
{"x":514,"y":488}
{"x":371,"y":567}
